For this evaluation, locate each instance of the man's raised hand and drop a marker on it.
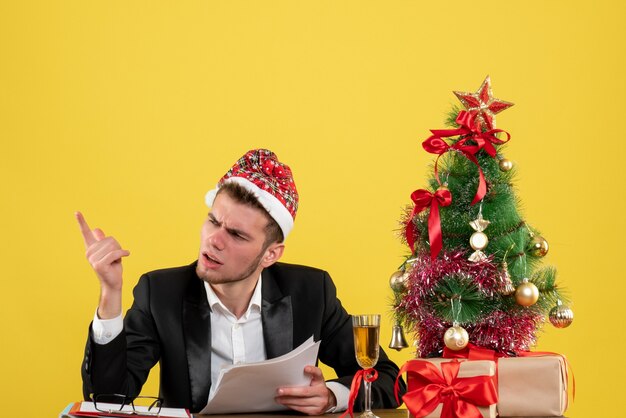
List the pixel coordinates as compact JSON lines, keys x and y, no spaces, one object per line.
{"x":105,"y":256}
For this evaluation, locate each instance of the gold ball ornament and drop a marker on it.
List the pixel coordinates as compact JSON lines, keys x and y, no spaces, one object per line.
{"x":505,"y":164}
{"x":538,"y":246}
{"x":398,"y":281}
{"x":456,"y":338}
{"x":526,"y":293}
{"x":561,"y":316}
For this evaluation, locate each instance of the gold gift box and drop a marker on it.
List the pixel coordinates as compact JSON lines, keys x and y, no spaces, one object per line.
{"x":532,"y":386}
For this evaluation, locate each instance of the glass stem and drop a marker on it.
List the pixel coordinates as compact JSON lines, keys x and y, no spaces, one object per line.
{"x":368,"y":397}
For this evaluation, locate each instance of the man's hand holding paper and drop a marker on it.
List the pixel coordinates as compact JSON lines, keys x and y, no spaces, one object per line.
{"x":314,"y":399}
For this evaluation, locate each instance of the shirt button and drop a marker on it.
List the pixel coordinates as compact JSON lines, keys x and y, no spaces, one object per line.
{"x":236,"y":326}
{"x":108,"y":335}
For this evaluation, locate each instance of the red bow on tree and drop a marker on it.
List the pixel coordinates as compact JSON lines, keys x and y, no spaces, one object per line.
{"x":460,"y":396}
{"x":470,"y":129}
{"x":423,"y":199}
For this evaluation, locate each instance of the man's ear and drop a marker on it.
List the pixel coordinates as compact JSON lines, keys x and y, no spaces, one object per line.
{"x":272,"y":254}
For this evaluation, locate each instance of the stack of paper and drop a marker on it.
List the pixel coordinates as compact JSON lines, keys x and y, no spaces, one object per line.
{"x":252,"y":387}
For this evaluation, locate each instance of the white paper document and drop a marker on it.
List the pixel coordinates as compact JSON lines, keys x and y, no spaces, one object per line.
{"x":252,"y":387}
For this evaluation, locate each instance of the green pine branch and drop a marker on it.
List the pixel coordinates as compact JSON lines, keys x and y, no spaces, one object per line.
{"x":461,"y":291}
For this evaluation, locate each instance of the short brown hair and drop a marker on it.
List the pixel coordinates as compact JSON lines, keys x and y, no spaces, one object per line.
{"x":240,"y":194}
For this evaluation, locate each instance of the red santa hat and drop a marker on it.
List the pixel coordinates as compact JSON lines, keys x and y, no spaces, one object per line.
{"x":271,"y":181}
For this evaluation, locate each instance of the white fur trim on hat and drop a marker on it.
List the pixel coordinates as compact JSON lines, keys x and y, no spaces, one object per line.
{"x":272,"y":205}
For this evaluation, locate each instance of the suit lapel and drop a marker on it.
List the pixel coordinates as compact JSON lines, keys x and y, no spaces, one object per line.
{"x":277,"y":317}
{"x":197,"y":331}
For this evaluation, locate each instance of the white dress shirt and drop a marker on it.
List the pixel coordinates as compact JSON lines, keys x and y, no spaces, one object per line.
{"x":233,"y":340}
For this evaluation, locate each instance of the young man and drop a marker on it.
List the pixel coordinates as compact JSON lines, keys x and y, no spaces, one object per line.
{"x":236,"y":303}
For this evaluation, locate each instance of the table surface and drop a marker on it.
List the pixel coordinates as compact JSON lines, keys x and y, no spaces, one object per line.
{"x":382,"y":413}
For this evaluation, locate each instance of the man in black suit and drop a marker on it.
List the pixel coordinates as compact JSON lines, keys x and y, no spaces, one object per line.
{"x":236,"y":303}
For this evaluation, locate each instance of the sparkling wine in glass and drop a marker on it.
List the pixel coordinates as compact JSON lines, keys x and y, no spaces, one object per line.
{"x":366,"y":330}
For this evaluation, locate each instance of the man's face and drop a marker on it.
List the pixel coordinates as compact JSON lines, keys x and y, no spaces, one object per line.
{"x":232,"y":244}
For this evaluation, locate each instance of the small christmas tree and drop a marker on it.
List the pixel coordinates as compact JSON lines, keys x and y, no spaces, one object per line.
{"x":473,"y":274}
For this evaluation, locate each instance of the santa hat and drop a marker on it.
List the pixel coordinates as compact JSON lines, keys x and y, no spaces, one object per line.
{"x":271,"y":181}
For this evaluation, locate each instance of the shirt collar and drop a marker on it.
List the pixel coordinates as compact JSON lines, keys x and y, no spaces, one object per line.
{"x":255,"y":300}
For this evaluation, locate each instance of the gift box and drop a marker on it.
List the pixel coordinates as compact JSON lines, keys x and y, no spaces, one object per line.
{"x":454,"y":384}
{"x":532,"y":386}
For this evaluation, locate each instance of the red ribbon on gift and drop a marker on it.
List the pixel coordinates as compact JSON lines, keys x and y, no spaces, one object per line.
{"x":460,"y":396}
{"x":422,"y":200}
{"x":474,"y":352}
{"x":469,"y":129}
{"x":369,"y":375}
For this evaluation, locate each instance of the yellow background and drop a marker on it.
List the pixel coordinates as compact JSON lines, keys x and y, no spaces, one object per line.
{"x":131,"y":110}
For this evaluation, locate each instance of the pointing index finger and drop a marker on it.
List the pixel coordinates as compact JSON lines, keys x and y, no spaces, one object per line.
{"x":88,"y":235}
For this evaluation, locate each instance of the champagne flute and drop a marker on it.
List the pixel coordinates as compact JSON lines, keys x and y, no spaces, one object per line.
{"x":366,"y":330}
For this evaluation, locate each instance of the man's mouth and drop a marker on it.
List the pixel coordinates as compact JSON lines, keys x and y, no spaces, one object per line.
{"x":210,"y":259}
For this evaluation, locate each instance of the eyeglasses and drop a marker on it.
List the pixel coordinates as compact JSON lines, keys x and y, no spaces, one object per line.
{"x":126,"y":405}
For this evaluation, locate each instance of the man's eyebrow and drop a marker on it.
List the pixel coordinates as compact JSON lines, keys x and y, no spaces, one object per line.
{"x":230,"y":230}
{"x":235,"y":231}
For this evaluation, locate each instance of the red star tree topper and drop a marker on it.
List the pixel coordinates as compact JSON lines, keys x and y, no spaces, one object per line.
{"x":483,"y":104}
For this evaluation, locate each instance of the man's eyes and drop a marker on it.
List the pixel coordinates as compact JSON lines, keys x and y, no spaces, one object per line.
{"x":236,"y":235}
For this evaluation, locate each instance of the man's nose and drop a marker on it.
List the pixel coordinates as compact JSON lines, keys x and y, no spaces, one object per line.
{"x":216,"y":239}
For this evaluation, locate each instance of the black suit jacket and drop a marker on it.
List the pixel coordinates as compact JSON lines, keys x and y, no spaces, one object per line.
{"x":169,"y":322}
